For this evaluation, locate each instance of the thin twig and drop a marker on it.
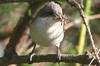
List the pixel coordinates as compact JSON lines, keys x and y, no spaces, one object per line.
{"x":90,"y":34}
{"x":70,"y":24}
{"x":91,"y":61}
{"x":96,"y":16}
{"x":77,"y":5}
{"x":93,"y":58}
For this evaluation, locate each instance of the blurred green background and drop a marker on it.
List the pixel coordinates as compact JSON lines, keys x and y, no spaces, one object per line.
{"x":76,"y":40}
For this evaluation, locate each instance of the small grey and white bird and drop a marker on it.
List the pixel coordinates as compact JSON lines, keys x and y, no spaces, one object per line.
{"x":47,"y":28}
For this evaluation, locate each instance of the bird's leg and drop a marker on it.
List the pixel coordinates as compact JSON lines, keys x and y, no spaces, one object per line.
{"x":32,"y":53}
{"x":58,"y":53}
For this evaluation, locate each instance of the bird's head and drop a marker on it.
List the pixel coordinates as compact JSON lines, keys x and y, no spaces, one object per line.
{"x":51,"y":9}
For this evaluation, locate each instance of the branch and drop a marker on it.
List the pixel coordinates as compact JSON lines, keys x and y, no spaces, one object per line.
{"x":96,"y":16}
{"x":77,"y":5}
{"x":82,"y":59}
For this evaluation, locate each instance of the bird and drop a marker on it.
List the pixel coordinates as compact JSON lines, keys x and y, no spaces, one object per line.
{"x":48,"y":26}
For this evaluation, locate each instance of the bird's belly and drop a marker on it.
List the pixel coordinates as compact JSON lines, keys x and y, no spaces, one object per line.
{"x":46,"y":34}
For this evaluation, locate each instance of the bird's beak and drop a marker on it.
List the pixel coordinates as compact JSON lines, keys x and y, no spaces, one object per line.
{"x":60,"y":18}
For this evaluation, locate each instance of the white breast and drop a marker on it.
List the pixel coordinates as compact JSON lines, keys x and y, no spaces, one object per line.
{"x":46,"y":31}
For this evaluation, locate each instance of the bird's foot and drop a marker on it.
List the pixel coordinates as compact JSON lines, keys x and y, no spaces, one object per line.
{"x":32,"y":53}
{"x":58,"y":53}
{"x":59,"y":56}
{"x":30,"y":59}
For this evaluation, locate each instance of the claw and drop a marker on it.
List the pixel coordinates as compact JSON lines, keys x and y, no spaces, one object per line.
{"x":32,"y":53}
{"x":30,"y":62}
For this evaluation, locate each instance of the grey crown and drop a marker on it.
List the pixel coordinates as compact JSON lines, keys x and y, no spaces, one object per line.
{"x":50,"y":10}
